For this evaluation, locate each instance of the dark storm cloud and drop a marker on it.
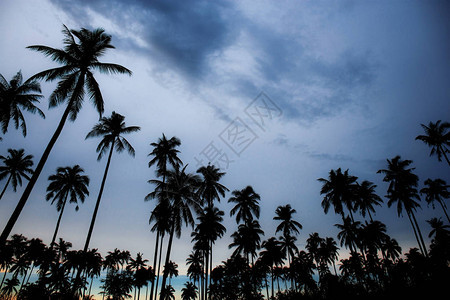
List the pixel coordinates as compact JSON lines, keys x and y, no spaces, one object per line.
{"x":182,"y":35}
{"x":186,"y":38}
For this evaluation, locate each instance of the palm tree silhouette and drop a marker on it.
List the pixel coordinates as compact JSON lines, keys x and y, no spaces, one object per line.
{"x":164,"y":153}
{"x":111,"y":128}
{"x":16,"y":95}
{"x":436,"y":190}
{"x":247,"y":240}
{"x":287,"y":226}
{"x":208,"y":230}
{"x":79,"y":59}
{"x":438,"y":228}
{"x":180,"y":189}
{"x":402,"y":189}
{"x":138,"y":267}
{"x":272,"y":255}
{"x":195,"y":268}
{"x":246,"y":204}
{"x":171,"y":270}
{"x":437,"y":137}
{"x":367,"y":198}
{"x":339,"y":190}
{"x":210,"y":189}
{"x":15,"y":166}
{"x":189,"y":292}
{"x":348,"y":235}
{"x":10,"y":287}
{"x":67,"y":183}
{"x":161,"y":217}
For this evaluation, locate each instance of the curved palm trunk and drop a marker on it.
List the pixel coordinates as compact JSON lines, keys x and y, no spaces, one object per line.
{"x":58,"y":222}
{"x":415,"y":233}
{"x":206,"y":274}
{"x":23,"y":200}
{"x":166,"y":264}
{"x":420,"y":234}
{"x":443,"y":208}
{"x":154,"y":264}
{"x":159,"y":266}
{"x":6,"y":185}
{"x":445,"y":155}
{"x":94,"y":216}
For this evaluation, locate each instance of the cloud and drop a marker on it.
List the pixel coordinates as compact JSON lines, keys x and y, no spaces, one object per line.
{"x":182,"y":37}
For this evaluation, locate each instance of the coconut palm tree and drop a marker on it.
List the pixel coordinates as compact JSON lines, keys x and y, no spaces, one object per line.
{"x":195,"y":266}
{"x":246,"y":204}
{"x":367,"y":198}
{"x":164,"y":154}
{"x":208,"y":230}
{"x":403,"y":191}
{"x":79,"y":59}
{"x":339,"y":190}
{"x":437,"y":137}
{"x":348,"y":235}
{"x":210,"y":189}
{"x":15,"y":96}
{"x":67,"y":183}
{"x":329,"y":252}
{"x":180,"y":188}
{"x":287,"y":226}
{"x":272,"y":255}
{"x":112,"y":130}
{"x":161,"y":217}
{"x":189,"y":292}
{"x":10,"y":287}
{"x":171,"y":270}
{"x":436,"y":190}
{"x":438,"y":228}
{"x":247,"y":240}
{"x":138,"y":267}
{"x":15,"y":166}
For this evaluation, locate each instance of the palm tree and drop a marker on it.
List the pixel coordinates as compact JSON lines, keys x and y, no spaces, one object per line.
{"x":79,"y":59}
{"x":10,"y":287}
{"x":272,"y":255}
{"x":436,"y":190}
{"x":171,"y":270}
{"x":15,"y":166}
{"x":367,"y":198}
{"x":287,"y":226}
{"x":402,"y":189}
{"x":208,"y":230}
{"x":246,"y":204}
{"x":195,"y":266}
{"x":329,"y":252}
{"x":189,"y":292}
{"x":436,"y":137}
{"x":161,"y":217}
{"x":180,"y":189}
{"x":348,"y":235}
{"x":339,"y":190}
{"x":164,"y":153}
{"x":210,"y":189}
{"x":138,"y":266}
{"x":438,"y":228}
{"x":67,"y":183}
{"x":111,"y":128}
{"x":247,"y":240}
{"x":14,"y":96}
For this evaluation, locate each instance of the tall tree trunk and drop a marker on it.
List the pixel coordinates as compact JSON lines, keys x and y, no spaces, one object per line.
{"x":272,"y":281}
{"x":6,"y":185}
{"x":154,"y":264}
{"x":420,"y":234}
{"x":90,"y":286}
{"x":415,"y":233}
{"x":443,"y":208}
{"x":166,"y":264}
{"x":4,"y":275}
{"x":59,"y":220}
{"x":32,"y":267}
{"x":445,"y":155}
{"x":206,"y":274}
{"x":94,"y":216}
{"x":23,"y":200}
{"x":159,"y":266}
{"x":370,"y":216}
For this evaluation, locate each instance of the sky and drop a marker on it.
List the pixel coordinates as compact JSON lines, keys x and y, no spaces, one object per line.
{"x":314,"y":85}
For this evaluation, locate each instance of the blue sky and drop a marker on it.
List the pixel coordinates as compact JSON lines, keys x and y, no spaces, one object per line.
{"x":353,"y":81}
